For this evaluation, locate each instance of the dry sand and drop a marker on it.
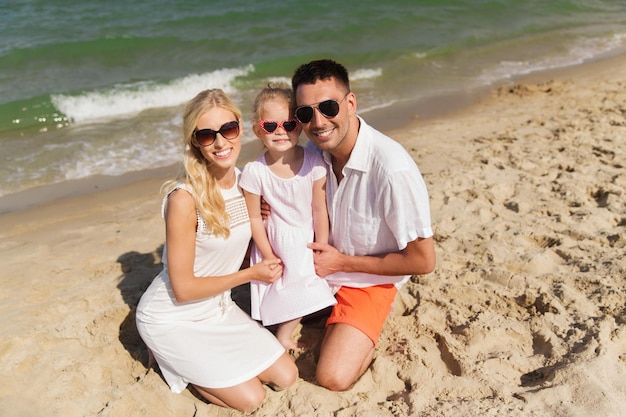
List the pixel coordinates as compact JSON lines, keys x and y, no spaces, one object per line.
{"x":524,"y":316}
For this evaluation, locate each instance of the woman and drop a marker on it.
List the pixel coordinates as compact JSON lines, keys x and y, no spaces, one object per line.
{"x":187,"y":318}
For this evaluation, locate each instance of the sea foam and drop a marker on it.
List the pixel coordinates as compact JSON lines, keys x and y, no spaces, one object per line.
{"x":127,"y":100}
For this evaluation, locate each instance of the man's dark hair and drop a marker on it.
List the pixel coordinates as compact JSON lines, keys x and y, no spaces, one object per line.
{"x":323,"y":69}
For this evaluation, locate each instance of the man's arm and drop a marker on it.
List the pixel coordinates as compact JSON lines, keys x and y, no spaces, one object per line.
{"x":417,"y":258}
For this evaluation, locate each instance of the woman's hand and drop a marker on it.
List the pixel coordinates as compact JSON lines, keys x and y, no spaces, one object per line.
{"x":268,"y":270}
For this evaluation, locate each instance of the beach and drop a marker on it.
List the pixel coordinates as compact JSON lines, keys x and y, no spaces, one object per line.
{"x":524,"y":315}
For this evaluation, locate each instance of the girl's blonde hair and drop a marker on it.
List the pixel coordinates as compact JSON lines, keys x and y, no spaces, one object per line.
{"x":195,"y":171}
{"x":272,"y":91}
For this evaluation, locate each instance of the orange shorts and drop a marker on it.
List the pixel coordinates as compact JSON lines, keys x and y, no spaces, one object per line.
{"x":364,"y":308}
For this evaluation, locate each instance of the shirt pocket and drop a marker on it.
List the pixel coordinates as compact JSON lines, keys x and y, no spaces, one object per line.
{"x":362,"y":232}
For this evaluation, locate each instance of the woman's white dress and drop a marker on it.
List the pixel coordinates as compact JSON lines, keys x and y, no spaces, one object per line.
{"x":211,"y":343}
{"x":289,"y":229}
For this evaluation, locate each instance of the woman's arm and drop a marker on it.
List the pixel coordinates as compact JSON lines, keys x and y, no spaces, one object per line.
{"x":180,"y":232}
{"x":320,"y":211}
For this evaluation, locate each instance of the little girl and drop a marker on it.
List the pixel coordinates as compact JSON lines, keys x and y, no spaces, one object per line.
{"x":292,"y":181}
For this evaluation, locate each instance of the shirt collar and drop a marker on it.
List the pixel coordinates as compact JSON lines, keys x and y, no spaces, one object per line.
{"x":360,"y":155}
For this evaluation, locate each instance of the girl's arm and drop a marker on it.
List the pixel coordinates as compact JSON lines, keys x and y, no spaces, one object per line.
{"x":259,"y":234}
{"x":320,"y":211}
{"x":180,"y":237}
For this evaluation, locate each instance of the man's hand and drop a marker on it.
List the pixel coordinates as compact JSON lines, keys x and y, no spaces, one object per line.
{"x":327,"y":259}
{"x":265,"y":209}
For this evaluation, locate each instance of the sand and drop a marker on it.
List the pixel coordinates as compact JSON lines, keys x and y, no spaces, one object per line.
{"x":524,"y":315}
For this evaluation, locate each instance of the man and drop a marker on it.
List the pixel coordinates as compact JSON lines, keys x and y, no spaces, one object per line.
{"x":380,"y":220}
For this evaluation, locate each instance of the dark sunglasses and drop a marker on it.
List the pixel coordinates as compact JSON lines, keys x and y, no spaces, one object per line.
{"x":270,"y":125}
{"x":206,"y":137}
{"x":328,"y":109}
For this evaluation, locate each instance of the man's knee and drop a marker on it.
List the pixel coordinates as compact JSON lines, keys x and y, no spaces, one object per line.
{"x":334,"y":381}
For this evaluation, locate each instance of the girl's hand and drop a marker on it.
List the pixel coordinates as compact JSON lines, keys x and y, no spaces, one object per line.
{"x":268,"y":270}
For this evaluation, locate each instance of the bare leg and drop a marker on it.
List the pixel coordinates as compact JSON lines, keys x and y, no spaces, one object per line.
{"x":282,"y":374}
{"x":245,"y":397}
{"x":249,"y":395}
{"x":284,"y":332}
{"x":345,"y":354}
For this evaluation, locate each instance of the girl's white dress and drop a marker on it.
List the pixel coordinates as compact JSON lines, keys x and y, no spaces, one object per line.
{"x":289,"y":229}
{"x":211,"y":343}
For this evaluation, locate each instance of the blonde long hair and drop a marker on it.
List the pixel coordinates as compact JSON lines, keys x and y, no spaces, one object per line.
{"x":195,"y":173}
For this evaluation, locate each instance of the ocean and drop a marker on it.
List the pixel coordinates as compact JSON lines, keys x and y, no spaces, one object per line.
{"x":97,"y":88}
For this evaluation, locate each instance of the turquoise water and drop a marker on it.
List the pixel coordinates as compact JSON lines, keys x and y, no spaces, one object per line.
{"x":91,"y":88}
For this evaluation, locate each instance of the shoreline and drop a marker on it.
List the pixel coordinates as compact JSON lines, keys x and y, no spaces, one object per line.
{"x":400,"y":116}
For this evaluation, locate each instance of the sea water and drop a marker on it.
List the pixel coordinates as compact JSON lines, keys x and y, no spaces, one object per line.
{"x":97,"y":88}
